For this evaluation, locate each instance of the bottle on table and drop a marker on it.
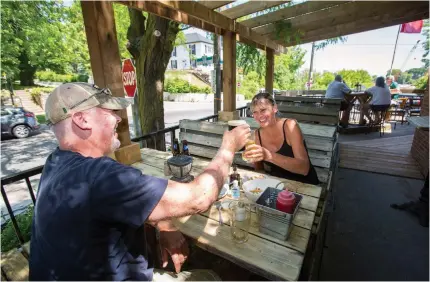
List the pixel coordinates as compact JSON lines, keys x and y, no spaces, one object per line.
{"x":235,"y":190}
{"x":185,"y":150}
{"x":235,"y":176}
{"x":286,"y":201}
{"x":175,"y":148}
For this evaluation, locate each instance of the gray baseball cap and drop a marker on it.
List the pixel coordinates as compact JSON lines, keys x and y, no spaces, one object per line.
{"x":80,"y":96}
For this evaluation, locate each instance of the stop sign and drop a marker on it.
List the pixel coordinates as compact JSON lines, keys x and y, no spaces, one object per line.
{"x":129,"y":78}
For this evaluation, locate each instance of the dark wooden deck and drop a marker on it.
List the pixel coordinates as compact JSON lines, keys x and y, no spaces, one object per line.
{"x":384,"y":155}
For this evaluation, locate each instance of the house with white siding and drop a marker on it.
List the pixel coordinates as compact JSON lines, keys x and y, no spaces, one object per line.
{"x":196,"y":53}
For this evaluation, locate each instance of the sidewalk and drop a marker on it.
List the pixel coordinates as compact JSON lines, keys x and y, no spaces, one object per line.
{"x":367,"y":239}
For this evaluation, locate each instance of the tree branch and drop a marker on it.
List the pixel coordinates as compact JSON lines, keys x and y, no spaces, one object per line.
{"x":135,"y":32}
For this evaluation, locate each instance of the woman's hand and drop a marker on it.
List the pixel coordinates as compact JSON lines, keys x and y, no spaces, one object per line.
{"x":255,"y":153}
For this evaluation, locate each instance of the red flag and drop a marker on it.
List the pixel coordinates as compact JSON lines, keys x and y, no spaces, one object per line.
{"x":412,"y":27}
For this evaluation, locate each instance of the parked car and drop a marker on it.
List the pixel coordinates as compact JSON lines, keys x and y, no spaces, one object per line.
{"x":17,"y":122}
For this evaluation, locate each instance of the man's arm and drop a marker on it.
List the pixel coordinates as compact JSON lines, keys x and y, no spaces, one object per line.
{"x":182,"y":199}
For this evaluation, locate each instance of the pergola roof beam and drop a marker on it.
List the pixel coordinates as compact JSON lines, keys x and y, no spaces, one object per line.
{"x":215,"y":4}
{"x":364,"y":24}
{"x":290,"y":12}
{"x":249,"y":8}
{"x":154,"y":8}
{"x":203,"y":13}
{"x":337,"y":15}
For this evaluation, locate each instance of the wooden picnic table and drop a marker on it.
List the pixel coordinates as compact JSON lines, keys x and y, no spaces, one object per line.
{"x":362,"y":97}
{"x":262,"y":254}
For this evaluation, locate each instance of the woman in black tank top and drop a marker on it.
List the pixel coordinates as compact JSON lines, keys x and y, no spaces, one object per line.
{"x":280,"y":148}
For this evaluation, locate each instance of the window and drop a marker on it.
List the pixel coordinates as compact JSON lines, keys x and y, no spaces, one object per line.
{"x":193,"y":63}
{"x":4,"y":113}
{"x":174,"y":52}
{"x":192,"y":49}
{"x":206,"y":48}
{"x":173,"y":64}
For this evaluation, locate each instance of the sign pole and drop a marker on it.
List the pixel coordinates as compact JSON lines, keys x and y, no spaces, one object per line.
{"x":130,"y":88}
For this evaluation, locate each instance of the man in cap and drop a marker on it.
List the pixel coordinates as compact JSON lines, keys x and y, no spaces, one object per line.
{"x":90,"y":212}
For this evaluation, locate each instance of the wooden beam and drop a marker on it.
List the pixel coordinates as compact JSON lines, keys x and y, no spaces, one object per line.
{"x":337,"y":15}
{"x":270,"y":69}
{"x":289,"y":12}
{"x":154,"y":7}
{"x":417,"y":11}
{"x":250,"y":7}
{"x":214,"y":4}
{"x":203,"y":13}
{"x":104,"y":55}
{"x":229,"y":72}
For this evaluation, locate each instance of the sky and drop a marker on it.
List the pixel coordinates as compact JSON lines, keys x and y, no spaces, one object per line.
{"x":370,"y":50}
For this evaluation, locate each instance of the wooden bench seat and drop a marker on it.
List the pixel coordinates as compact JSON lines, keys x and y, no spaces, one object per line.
{"x":14,"y":264}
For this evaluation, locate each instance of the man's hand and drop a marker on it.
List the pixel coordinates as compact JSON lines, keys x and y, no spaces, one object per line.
{"x":235,"y":139}
{"x":173,"y":243}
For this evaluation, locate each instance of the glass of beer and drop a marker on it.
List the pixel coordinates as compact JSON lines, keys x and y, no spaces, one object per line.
{"x":251,"y":141}
{"x":234,"y":123}
{"x":240,"y":220}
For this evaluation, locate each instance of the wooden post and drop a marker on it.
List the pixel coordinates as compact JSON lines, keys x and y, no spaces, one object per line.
{"x":270,"y":69}
{"x":229,"y":78}
{"x":105,"y":60}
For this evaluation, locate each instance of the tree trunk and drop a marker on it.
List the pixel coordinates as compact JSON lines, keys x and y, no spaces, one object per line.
{"x":26,"y":70}
{"x":151,"y":47}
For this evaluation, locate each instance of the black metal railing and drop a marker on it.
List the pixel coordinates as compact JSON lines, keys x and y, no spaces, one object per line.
{"x":25,"y":175}
{"x":172,"y":130}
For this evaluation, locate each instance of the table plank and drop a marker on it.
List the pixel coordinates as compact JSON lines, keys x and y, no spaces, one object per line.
{"x":275,"y":261}
{"x":150,"y":156}
{"x":155,"y":166}
{"x":297,"y":240}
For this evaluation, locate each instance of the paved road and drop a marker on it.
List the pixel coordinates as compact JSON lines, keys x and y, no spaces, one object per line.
{"x":21,"y":154}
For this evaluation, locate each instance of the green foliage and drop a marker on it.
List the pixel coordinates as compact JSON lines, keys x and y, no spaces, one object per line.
{"x":249,"y":58}
{"x":352,"y":77}
{"x":421,"y":83}
{"x":250,"y":85}
{"x":41,"y":118}
{"x":177,"y":85}
{"x":52,"y":76}
{"x":325,"y":43}
{"x":40,"y":35}
{"x":9,"y":240}
{"x":287,"y":67}
{"x":36,"y":95}
{"x":322,"y":80}
{"x":417,"y":72}
{"x":122,"y":21}
{"x":285,"y":33}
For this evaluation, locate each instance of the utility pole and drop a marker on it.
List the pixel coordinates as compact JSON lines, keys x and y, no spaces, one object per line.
{"x":217,"y":63}
{"x":311,"y":66}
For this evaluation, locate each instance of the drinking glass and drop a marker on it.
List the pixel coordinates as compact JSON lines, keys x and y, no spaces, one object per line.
{"x":240,"y":220}
{"x":251,"y":141}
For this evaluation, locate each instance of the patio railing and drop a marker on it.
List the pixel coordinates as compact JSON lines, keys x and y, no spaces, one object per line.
{"x":25,"y":175}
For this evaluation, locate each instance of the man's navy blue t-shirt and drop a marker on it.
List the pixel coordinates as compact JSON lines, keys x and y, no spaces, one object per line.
{"x":89,"y":220}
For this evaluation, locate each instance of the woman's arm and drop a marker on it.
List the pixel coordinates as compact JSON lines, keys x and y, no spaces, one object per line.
{"x":300,"y":163}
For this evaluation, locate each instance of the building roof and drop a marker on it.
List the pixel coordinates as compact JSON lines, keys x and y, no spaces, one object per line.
{"x":195,"y":37}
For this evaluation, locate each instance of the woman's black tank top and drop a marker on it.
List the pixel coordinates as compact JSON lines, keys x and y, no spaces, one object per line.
{"x":287,"y":150}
